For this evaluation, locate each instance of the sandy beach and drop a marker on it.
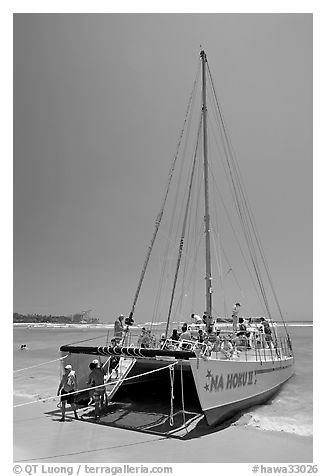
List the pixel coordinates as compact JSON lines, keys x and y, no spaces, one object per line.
{"x":279,"y":432}
{"x":39,"y":436}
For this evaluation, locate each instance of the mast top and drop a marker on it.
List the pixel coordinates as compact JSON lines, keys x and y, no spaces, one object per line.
{"x":203,"y":55}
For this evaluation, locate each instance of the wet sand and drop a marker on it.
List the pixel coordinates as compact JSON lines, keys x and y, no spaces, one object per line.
{"x":39,"y":436}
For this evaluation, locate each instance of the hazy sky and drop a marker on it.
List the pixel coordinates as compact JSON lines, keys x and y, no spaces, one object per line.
{"x":99,"y":101}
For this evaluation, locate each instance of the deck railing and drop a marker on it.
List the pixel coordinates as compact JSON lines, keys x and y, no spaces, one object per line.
{"x":258,"y":345}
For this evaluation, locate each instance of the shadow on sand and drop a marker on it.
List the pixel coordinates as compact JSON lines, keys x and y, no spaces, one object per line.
{"x":153,"y":419}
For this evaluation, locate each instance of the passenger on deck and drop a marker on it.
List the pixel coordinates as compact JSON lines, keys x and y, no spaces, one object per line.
{"x":211,"y":340}
{"x":162,"y":341}
{"x":210,"y":336}
{"x":175,"y":335}
{"x":67,"y":386}
{"x":185,"y":334}
{"x":96,"y":379}
{"x":227,"y":347}
{"x":217,"y":344}
{"x":141,"y":337}
{"x":242,"y":328}
{"x":147,"y":340}
{"x":201,"y":336}
{"x":235,"y":312}
{"x":196,"y":318}
{"x":240,"y":341}
{"x":153,"y":341}
{"x":119,"y":328}
{"x":267,"y":331}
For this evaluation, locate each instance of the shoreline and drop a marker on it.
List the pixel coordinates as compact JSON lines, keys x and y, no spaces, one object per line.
{"x":48,"y":325}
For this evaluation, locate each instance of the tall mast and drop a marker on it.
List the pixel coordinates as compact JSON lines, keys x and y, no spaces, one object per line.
{"x":208,"y":277}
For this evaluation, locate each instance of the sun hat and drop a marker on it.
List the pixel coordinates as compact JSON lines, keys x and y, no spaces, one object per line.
{"x":68,"y":367}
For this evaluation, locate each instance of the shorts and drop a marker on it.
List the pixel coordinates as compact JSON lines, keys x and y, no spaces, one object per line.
{"x":98,"y":393}
{"x":66,"y":397}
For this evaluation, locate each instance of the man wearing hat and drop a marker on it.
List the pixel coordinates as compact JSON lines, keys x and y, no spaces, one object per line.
{"x":119,"y":328}
{"x":67,"y":386}
{"x":96,"y":379}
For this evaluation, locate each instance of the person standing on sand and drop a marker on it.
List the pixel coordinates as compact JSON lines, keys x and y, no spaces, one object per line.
{"x":67,"y":386}
{"x":96,"y":379}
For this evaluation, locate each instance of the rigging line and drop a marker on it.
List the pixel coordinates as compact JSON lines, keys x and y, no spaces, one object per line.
{"x":190,"y":239}
{"x":232,"y":156}
{"x":193,"y":243}
{"x":234,"y":176}
{"x":191,"y":263}
{"x":160,"y":214}
{"x":97,"y":386}
{"x":182,"y":398}
{"x":172,"y":395}
{"x":38,"y":365}
{"x":172,"y":221}
{"x":188,"y":243}
{"x":191,"y":270}
{"x":236,"y":279}
{"x":239,"y":194}
{"x":251,"y":218}
{"x":221,"y":199}
{"x":194,"y":262}
{"x":182,"y":235}
{"x":86,"y":340}
{"x":220,"y":268}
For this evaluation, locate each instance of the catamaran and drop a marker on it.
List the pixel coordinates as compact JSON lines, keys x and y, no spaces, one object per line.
{"x":225,"y":364}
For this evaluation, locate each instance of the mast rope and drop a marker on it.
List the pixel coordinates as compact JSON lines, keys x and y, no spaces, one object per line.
{"x":182,"y":398}
{"x":221,"y":200}
{"x":193,"y":261}
{"x":241,"y":201}
{"x":183,"y":232}
{"x":38,"y":365}
{"x":230,"y":267}
{"x":172,"y":395}
{"x":98,"y":386}
{"x":87,"y":340}
{"x":160,"y":214}
{"x":244,"y":210}
{"x":172,"y":221}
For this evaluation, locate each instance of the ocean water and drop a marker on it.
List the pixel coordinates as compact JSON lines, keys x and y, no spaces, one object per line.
{"x":291,"y":410}
{"x":37,"y":374}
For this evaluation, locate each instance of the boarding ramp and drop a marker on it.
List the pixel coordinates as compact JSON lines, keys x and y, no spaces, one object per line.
{"x":113,"y":385}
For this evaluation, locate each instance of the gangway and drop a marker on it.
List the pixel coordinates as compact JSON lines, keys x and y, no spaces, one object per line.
{"x":112,"y":386}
